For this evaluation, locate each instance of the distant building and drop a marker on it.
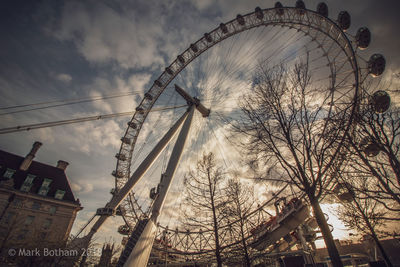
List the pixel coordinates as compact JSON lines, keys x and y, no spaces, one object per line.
{"x":366,"y":249}
{"x":37,"y":206}
{"x":106,"y":255}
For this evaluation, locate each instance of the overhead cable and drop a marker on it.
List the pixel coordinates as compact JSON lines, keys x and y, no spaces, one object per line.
{"x":29,"y":127}
{"x":62,"y":103}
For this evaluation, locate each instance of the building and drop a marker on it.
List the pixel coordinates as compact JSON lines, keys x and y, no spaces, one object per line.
{"x":107,"y":253}
{"x":365,"y":251}
{"x":37,"y":206}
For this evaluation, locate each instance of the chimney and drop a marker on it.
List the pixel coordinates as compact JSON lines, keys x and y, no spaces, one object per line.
{"x":62,"y":164}
{"x":28,"y":159}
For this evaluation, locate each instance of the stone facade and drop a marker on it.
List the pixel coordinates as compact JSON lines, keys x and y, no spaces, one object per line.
{"x":37,"y":206}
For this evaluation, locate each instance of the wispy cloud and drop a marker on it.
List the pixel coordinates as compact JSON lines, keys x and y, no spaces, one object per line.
{"x":63,"y":77}
{"x":103,"y":35}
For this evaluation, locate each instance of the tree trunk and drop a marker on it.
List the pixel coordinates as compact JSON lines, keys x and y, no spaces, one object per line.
{"x":381,"y":249}
{"x":326,"y":233}
{"x":373,"y":234}
{"x":217,"y":246}
{"x":377,"y":242}
{"x":246,"y":253}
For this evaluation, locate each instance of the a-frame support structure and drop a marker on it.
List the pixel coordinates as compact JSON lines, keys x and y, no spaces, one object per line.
{"x":142,"y":238}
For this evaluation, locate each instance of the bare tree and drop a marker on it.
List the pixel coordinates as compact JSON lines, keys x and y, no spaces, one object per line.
{"x":205,"y":199}
{"x":358,"y":211}
{"x":371,"y":178}
{"x":286,"y":125}
{"x":239,"y":205}
{"x":375,"y":149}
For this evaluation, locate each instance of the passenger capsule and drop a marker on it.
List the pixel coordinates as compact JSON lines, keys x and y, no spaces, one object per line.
{"x":300,"y":7}
{"x":120,"y":156}
{"x":126,"y":140}
{"x":132,"y":124}
{"x":153,"y":193}
{"x":370,"y":148}
{"x":123,"y":229}
{"x":322,"y":9}
{"x":117,"y":174}
{"x":363,"y":38}
{"x":148,"y":96}
{"x":376,"y":64}
{"x":223,"y":27}
{"x":380,"y":101}
{"x":140,"y":110}
{"x":118,"y":211}
{"x":158,"y":83}
{"x":344,"y":20}
{"x":279,"y":8}
{"x":194,"y":48}
{"x":259,"y":13}
{"x":347,"y":196}
{"x":208,"y":37}
{"x":105,"y":211}
{"x":240,"y":19}
{"x":344,"y":192}
{"x":181,"y":59}
{"x":169,"y":71}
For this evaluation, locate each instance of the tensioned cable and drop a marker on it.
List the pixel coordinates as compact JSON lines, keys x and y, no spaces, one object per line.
{"x":150,"y":137}
{"x":63,"y":103}
{"x":84,"y":226}
{"x":315,"y":59}
{"x":77,"y":120}
{"x":177,"y":181}
{"x":167,"y":149}
{"x":237,"y":65}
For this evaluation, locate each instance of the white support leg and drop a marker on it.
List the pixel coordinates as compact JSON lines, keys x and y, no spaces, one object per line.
{"x":138,"y":174}
{"x":141,"y":252}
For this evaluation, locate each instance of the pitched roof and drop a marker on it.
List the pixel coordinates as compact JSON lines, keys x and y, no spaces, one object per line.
{"x":42,"y":171}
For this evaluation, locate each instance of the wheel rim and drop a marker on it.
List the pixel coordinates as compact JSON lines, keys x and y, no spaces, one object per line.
{"x":320,"y":31}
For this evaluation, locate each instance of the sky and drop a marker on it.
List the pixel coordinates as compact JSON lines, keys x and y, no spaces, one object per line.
{"x":57,"y":50}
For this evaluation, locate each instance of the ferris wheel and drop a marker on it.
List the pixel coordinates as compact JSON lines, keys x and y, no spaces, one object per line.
{"x":203,"y":86}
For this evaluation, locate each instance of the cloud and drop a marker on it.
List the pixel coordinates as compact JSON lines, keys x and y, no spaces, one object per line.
{"x":81,"y":187}
{"x":202,"y":5}
{"x":94,"y":136}
{"x":63,"y":77}
{"x":76,"y":187}
{"x":46,"y":135}
{"x":103,"y":35}
{"x":137,"y":82}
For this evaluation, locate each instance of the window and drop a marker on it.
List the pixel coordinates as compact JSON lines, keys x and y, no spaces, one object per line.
{"x":52,"y":209}
{"x":9,"y":216}
{"x":17,"y":202}
{"x":36,"y":206}
{"x":44,"y":189}
{"x":59,"y":194}
{"x":9,"y":173}
{"x":43,"y":235}
{"x":22,"y":235}
{"x":26,"y":186}
{"x":29,"y":220}
{"x":47,"y":223}
{"x":46,"y":182}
